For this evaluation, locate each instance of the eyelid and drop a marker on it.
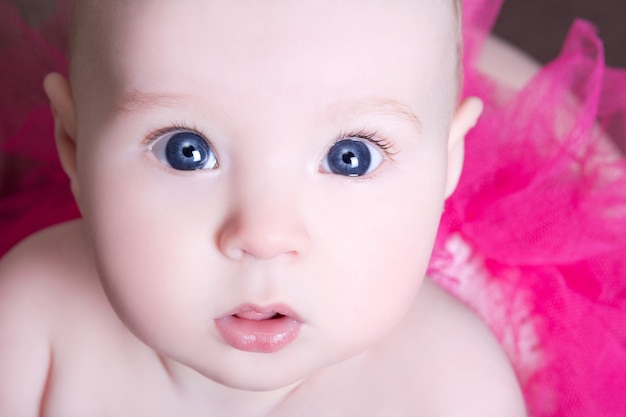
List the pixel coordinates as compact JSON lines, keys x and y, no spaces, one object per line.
{"x":152,"y":137}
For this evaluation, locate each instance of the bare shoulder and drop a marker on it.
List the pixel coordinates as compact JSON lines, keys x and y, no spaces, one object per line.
{"x":36,"y":282}
{"x":441,"y":361}
{"x":44,"y":266}
{"x":464,"y":369}
{"x":506,"y":63}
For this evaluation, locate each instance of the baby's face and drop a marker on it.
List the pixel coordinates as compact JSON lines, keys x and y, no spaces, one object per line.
{"x":262,"y":180}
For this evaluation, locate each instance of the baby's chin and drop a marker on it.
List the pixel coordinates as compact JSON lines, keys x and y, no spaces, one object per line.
{"x":281,"y":379}
{"x":266,"y":384}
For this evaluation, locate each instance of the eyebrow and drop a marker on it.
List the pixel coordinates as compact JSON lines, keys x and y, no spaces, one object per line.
{"x":381,"y":106}
{"x":136,"y":99}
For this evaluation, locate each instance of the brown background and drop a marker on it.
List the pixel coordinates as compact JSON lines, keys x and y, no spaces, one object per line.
{"x":540,"y":26}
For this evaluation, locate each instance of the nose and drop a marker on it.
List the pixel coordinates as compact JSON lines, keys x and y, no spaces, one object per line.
{"x":266,"y":227}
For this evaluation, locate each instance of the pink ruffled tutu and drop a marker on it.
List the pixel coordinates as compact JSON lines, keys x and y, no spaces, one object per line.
{"x":534,"y":239}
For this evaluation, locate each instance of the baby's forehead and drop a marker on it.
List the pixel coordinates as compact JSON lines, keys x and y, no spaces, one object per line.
{"x":104,"y":31}
{"x":95,"y":18}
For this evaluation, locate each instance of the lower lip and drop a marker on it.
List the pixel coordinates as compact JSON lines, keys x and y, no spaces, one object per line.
{"x":262,"y":336}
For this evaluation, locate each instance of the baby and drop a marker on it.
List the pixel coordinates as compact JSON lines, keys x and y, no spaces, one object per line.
{"x":261,"y":185}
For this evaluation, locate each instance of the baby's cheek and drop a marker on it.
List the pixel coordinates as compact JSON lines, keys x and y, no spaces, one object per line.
{"x":383,"y":267}
{"x":143,"y":286}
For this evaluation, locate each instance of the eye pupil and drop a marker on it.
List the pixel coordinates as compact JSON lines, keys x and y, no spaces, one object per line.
{"x":349,"y":157}
{"x":187,"y":151}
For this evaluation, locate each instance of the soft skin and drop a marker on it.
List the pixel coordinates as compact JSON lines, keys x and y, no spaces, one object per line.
{"x":271,"y":87}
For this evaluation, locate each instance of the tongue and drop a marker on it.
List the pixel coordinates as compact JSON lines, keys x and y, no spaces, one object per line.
{"x":255,"y":315}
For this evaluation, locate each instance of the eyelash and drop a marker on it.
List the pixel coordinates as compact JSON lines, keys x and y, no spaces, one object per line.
{"x":174,"y":127}
{"x":384,"y":144}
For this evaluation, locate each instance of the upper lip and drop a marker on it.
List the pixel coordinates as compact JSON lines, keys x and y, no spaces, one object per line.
{"x":266,"y":310}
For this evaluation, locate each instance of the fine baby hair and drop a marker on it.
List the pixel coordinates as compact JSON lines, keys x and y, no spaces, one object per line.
{"x":286,"y":208}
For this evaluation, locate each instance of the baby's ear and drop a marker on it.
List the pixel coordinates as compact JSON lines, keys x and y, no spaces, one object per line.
{"x":464,"y":119}
{"x":58,"y":90}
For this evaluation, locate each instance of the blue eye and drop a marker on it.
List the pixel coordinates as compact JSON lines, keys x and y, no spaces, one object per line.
{"x":185,"y":151}
{"x":352,"y":158}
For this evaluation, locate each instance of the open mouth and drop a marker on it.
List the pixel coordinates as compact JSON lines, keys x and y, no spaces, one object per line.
{"x":254,"y":315}
{"x":259,"y":329}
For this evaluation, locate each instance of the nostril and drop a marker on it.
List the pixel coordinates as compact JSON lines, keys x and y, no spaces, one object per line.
{"x":258,"y":246}
{"x":236,"y":253}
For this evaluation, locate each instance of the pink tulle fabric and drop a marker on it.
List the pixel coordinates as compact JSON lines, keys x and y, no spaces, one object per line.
{"x":534,"y":239}
{"x":540,"y":216}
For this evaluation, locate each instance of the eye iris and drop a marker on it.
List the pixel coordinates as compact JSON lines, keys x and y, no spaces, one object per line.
{"x":187,"y":151}
{"x":349,"y":157}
